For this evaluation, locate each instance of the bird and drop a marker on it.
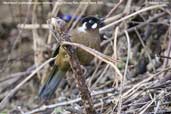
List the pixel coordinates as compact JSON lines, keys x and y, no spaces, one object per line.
{"x":87,"y":33}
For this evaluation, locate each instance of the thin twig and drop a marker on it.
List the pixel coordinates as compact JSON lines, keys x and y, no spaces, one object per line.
{"x":145,"y":48}
{"x":97,"y":54}
{"x":70,"y":102}
{"x":131,"y":15}
{"x":5,"y":100}
{"x":114,"y":8}
{"x":125,"y":73}
{"x":138,"y":26}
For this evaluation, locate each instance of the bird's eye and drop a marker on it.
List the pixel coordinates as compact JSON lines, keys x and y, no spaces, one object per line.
{"x":90,"y":21}
{"x":58,"y":22}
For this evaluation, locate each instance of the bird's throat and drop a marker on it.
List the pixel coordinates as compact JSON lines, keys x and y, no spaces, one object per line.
{"x":82,"y":28}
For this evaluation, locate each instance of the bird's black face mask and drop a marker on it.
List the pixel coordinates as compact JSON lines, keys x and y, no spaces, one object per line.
{"x":92,"y":22}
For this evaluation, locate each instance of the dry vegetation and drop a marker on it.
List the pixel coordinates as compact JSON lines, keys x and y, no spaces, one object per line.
{"x":132,"y":74}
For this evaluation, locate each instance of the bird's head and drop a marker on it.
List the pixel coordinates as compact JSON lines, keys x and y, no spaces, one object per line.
{"x":90,"y":23}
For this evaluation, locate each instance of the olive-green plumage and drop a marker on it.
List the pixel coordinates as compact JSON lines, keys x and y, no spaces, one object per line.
{"x":89,"y":38}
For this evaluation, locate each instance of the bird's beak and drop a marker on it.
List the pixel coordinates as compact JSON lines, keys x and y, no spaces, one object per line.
{"x":101,"y":23}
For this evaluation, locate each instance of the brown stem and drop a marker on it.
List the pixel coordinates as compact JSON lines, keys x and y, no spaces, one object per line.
{"x":80,"y":79}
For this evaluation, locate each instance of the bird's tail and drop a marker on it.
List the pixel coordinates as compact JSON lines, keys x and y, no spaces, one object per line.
{"x":50,"y":86}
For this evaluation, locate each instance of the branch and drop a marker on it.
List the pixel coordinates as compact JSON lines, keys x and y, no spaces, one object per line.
{"x":5,"y":100}
{"x":74,"y":63}
{"x":65,"y":103}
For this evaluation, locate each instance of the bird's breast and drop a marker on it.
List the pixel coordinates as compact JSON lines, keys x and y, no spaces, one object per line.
{"x":89,"y":39}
